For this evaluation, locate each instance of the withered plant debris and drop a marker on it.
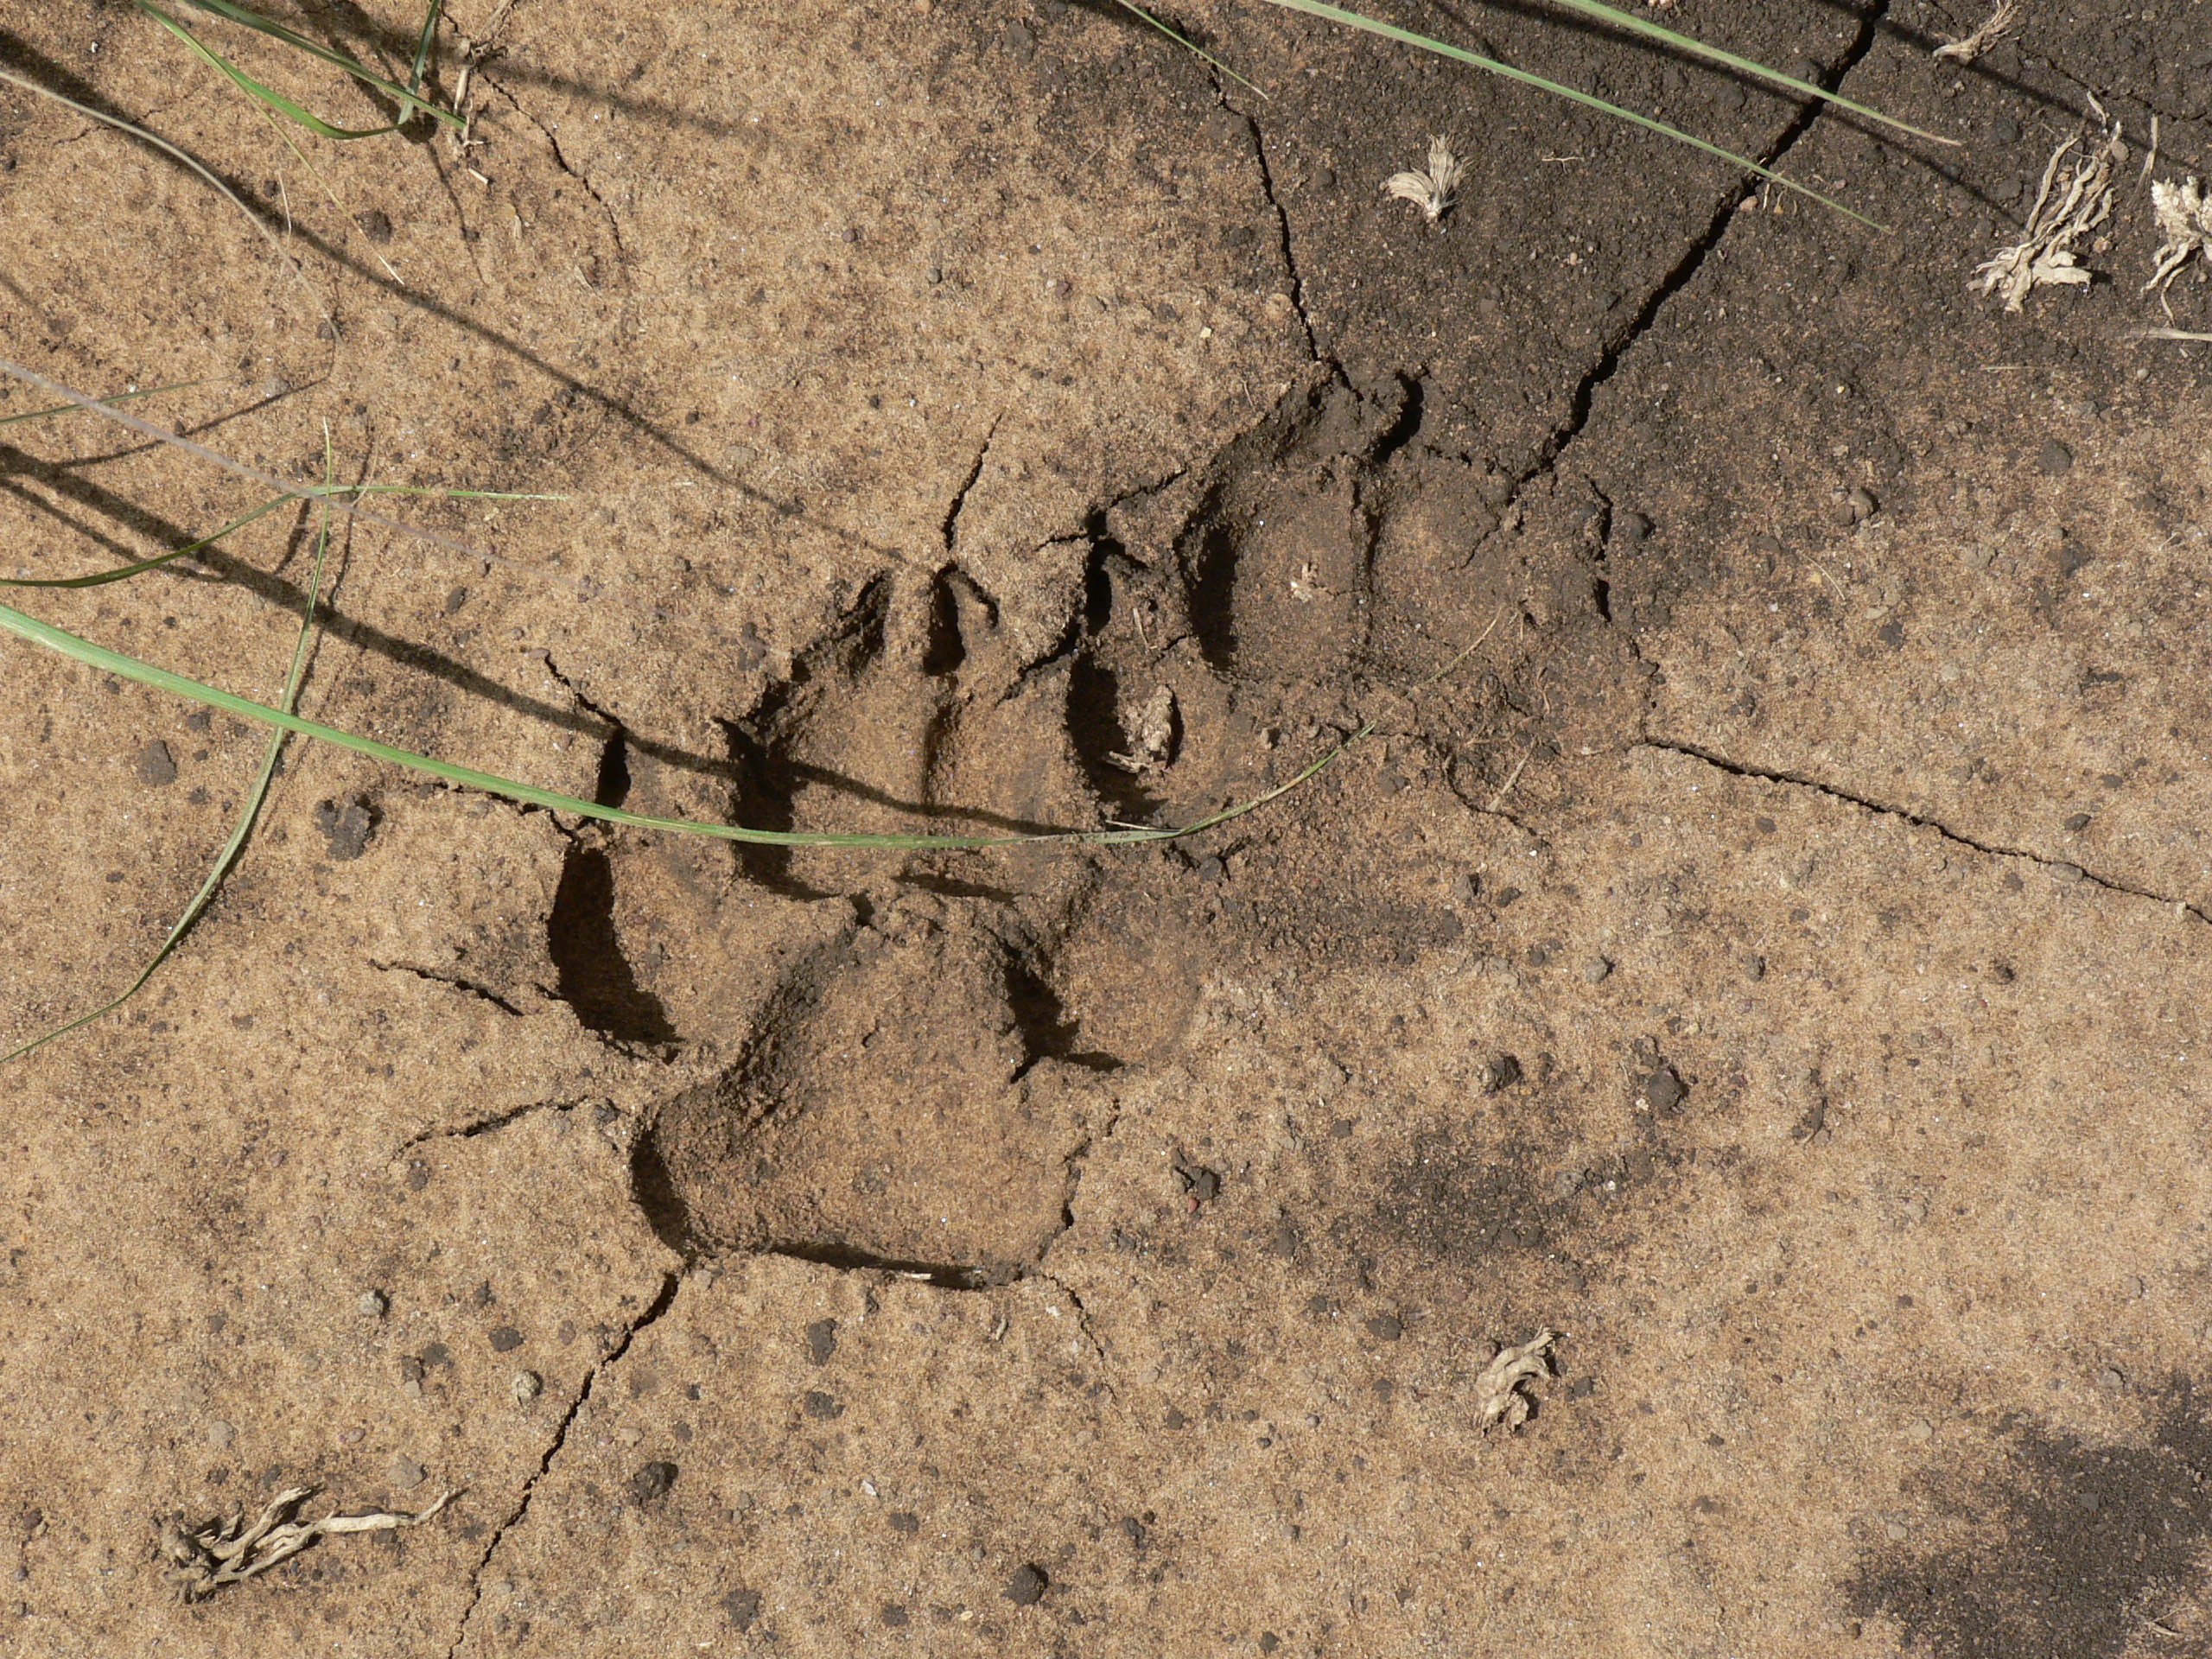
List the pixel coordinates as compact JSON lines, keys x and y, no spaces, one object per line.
{"x":2044,"y":257}
{"x":1154,"y":744}
{"x":1435,"y":191}
{"x":206,"y":1555}
{"x":1499,"y":1398}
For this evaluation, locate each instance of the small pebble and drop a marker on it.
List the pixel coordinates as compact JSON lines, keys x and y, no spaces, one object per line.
{"x":1662,"y":1091}
{"x":2111,"y":1381}
{"x":1499,"y":1072}
{"x":1028,"y":1586}
{"x":374,"y":1304}
{"x":1920,"y":1433}
{"x":154,"y":766}
{"x":1386,"y":1327}
{"x":407,"y":1474}
{"x":822,"y":1340}
{"x":651,"y":1482}
{"x":1632,"y":528}
{"x":375,"y":224}
{"x":220,"y":1434}
{"x":506,"y":1339}
{"x":2077,"y":822}
{"x":2056,"y":460}
{"x":1862,"y":504}
{"x":1597,"y":970}
{"x":526,"y":1387}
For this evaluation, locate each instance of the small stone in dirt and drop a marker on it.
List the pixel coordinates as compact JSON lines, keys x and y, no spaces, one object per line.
{"x":1506,"y":896}
{"x":2111,"y":1381}
{"x":1465,"y":887}
{"x":374,"y":1304}
{"x":1210,"y":868}
{"x":347,"y":826}
{"x":506,"y":1339}
{"x":741,"y":1608}
{"x":1386,"y":1327}
{"x":375,"y":224}
{"x":822,"y":1340}
{"x":652,"y":1483}
{"x":1202,"y":1185}
{"x":1632,"y":528}
{"x":1597,"y":970}
{"x":905,"y":1521}
{"x":2056,"y":460}
{"x":220,"y":1434}
{"x":1862,"y":504}
{"x":822,"y":1407}
{"x":893,"y":1615}
{"x":155,"y":764}
{"x":1028,"y":1586}
{"x":526,"y":1387}
{"x":2077,"y":822}
{"x":1499,"y":1072}
{"x":407,"y":1474}
{"x":1661,"y":1092}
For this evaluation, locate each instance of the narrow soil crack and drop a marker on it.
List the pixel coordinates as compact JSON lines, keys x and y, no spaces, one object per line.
{"x":561,"y":160}
{"x":1685,"y":269}
{"x":1988,"y":849}
{"x":1282,"y":221}
{"x":950,"y":528}
{"x":1082,"y":1321}
{"x":487,"y":1124}
{"x":661,"y":1303}
{"x":484,"y":992}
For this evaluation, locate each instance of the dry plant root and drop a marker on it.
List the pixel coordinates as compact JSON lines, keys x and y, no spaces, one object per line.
{"x":2044,"y":257}
{"x":1499,"y":1398}
{"x":1998,"y":24}
{"x":2184,"y":216}
{"x":206,"y":1555}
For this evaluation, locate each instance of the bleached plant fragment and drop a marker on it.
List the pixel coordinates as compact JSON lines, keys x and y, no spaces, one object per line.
{"x":2064,"y":213}
{"x":1997,"y":25}
{"x":1499,"y":1398}
{"x":2184,"y":216}
{"x":206,"y":1555}
{"x":1154,"y":744}
{"x":1435,"y":191}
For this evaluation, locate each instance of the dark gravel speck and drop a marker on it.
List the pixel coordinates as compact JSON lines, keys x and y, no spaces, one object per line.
{"x":155,"y":764}
{"x":822,"y":1340}
{"x":1028,"y":1586}
{"x":651,"y":1482}
{"x":2055,"y":460}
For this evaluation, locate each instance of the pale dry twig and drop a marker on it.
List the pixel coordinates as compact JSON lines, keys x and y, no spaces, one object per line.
{"x":206,"y":1555}
{"x":1998,"y":24}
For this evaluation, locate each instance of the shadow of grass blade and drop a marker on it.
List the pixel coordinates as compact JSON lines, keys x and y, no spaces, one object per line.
{"x":1191,"y":47}
{"x":410,"y":102}
{"x":130,"y":668}
{"x":1491,"y":65}
{"x":249,"y":812}
{"x":1636,"y":25}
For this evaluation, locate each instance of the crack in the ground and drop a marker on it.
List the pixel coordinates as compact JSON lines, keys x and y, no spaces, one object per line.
{"x":1685,"y":268}
{"x":660,"y":1304}
{"x":1919,"y":819}
{"x":1283,"y":222}
{"x":484,"y":992}
{"x":489,"y":1123}
{"x":561,"y":160}
{"x":950,"y":530}
{"x":1081,"y":1321}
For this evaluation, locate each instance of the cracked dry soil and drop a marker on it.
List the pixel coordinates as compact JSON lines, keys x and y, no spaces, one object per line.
{"x":1775,"y":958}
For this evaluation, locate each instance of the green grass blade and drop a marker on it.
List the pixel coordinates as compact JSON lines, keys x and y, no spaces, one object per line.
{"x":124,"y":573}
{"x":425,"y":43}
{"x":130,"y":668}
{"x":1636,"y":25}
{"x":113,"y":398}
{"x":410,"y":102}
{"x":1190,"y":45}
{"x":248,"y":813}
{"x":1407,"y":37}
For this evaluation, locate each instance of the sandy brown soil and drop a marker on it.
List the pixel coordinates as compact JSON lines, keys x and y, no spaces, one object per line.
{"x":1775,"y":958}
